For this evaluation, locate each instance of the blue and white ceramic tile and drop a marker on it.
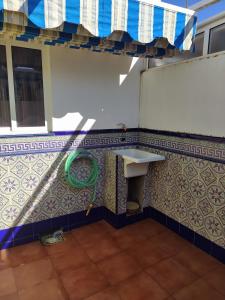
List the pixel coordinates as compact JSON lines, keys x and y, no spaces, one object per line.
{"x":188,"y":187}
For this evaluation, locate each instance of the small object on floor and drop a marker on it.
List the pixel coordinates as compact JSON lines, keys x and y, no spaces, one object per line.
{"x":54,"y":238}
{"x":132,"y":207}
{"x":89,"y":208}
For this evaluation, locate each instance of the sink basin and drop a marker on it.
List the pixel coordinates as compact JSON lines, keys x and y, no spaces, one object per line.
{"x":136,"y":161}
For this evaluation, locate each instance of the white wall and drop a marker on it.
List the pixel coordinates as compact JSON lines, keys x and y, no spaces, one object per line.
{"x":88,"y":90}
{"x":185,"y":97}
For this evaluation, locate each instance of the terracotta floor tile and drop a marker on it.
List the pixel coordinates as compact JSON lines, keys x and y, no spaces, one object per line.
{"x":102,"y":249}
{"x":75,"y":258}
{"x":170,"y":242}
{"x":147,"y":253}
{"x":171,"y":275}
{"x":83,"y":282}
{"x":48,"y":290}
{"x":147,"y":228}
{"x":126,"y":238}
{"x":216,"y":278}
{"x":197,"y":261}
{"x":7,"y":282}
{"x":119,"y":267}
{"x":60,"y":248}
{"x":199,"y":290}
{"x":67,"y":271}
{"x":33,"y":273}
{"x":106,"y":226}
{"x":173,"y":243}
{"x":141,"y":287}
{"x":5,"y":262}
{"x":91,"y":233}
{"x":26,"y":253}
{"x":13,"y":296}
{"x":108,"y":294}
{"x":21,"y":254}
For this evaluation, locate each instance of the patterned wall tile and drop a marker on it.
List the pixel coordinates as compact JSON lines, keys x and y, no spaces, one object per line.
{"x":213,"y":227}
{"x":220,"y":213}
{"x":110,"y":181}
{"x":188,"y":186}
{"x":33,"y":188}
{"x":186,"y":146}
{"x":207,"y":176}
{"x":205,"y":207}
{"x":195,"y":194}
{"x":122,"y":187}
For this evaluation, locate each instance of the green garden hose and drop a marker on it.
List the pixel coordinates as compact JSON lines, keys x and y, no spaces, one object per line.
{"x":90,"y":181}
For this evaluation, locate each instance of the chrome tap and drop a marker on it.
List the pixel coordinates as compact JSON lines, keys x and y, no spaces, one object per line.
{"x":124,"y":127}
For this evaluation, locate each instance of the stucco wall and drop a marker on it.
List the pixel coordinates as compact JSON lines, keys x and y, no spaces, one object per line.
{"x":185,"y":97}
{"x":92,"y":90}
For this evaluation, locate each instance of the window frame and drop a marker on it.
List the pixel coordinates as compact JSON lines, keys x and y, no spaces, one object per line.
{"x":201,"y":33}
{"x":46,"y":77}
{"x":210,"y":34}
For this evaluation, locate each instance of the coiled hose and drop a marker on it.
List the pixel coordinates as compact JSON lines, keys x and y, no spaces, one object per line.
{"x":90,"y":181}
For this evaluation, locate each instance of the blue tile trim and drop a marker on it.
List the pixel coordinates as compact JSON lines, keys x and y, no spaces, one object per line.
{"x":65,"y":149}
{"x":42,"y":227}
{"x":121,"y":220}
{"x":218,"y":252}
{"x":203,"y":243}
{"x":187,"y":233}
{"x":196,"y":239}
{"x":7,"y":245}
{"x":23,"y":231}
{"x":183,"y":135}
{"x":23,"y":241}
{"x":74,"y":132}
{"x":216,"y":160}
{"x":173,"y":225}
{"x":30,"y":232}
{"x":115,"y":220}
{"x":158,"y":216}
{"x":94,"y":140}
{"x":6,"y":235}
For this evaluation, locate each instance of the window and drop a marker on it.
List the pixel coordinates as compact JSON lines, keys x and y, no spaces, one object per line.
{"x":216,"y":39}
{"x":4,"y":90}
{"x":21,"y":72}
{"x":198,"y":44}
{"x":28,"y":83}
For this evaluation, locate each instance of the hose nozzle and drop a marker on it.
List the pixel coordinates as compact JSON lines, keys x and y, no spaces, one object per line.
{"x":89,"y":208}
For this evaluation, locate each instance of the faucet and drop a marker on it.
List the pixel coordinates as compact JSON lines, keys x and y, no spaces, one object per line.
{"x":124,"y":127}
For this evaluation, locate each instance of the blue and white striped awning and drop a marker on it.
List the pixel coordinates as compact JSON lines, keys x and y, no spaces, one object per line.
{"x":120,"y":20}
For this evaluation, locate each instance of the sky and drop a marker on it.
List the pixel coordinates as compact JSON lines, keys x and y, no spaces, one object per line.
{"x":204,"y":14}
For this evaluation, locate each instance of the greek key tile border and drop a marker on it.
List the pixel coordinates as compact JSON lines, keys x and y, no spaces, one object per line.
{"x":46,"y":144}
{"x":206,"y":150}
{"x":203,"y":149}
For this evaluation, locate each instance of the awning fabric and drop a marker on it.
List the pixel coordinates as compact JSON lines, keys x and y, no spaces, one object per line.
{"x":129,"y":26}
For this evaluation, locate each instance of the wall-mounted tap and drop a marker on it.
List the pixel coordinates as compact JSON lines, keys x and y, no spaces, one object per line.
{"x":124,"y":127}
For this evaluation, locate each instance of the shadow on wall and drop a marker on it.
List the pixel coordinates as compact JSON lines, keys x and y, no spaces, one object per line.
{"x":41,"y":198}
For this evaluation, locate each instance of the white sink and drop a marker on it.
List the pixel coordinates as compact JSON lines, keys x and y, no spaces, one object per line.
{"x":136,"y":161}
